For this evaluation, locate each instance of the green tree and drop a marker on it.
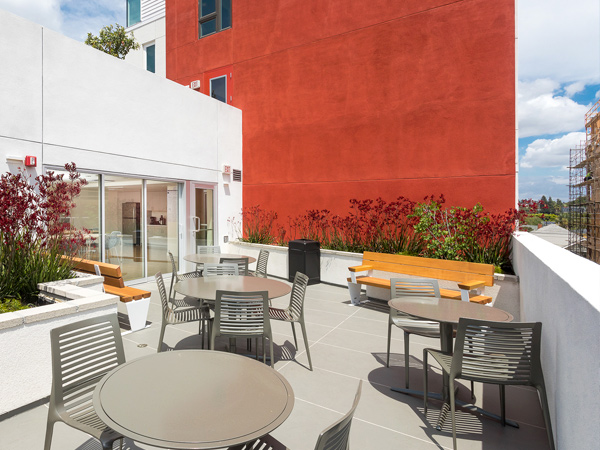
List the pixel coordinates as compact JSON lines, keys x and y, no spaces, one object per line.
{"x":114,"y":41}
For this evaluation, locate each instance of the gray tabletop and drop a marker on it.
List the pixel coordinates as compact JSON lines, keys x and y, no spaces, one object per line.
{"x":446,"y":310}
{"x":206,"y":287}
{"x":214,"y":258}
{"x":193,"y":399}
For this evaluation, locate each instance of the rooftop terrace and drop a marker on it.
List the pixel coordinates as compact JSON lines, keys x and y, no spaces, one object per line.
{"x":347,"y":344}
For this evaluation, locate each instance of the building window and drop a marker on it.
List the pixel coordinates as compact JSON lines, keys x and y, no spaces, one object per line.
{"x":151,"y":58}
{"x":218,"y":88}
{"x":133,"y":12}
{"x":214,"y":16}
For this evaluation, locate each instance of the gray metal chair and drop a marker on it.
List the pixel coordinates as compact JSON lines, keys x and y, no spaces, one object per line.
{"x":241,"y":262}
{"x":244,"y":315}
{"x":174,"y":316}
{"x":186,"y":302}
{"x":82,"y":353}
{"x":501,"y":353}
{"x":206,"y":249}
{"x":334,"y":437}
{"x":411,"y":287}
{"x":261,"y":264}
{"x":213,"y":270}
{"x":111,"y":241}
{"x":295,"y":311}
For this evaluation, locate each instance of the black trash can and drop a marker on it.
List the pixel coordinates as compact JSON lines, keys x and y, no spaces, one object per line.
{"x":305,"y":256}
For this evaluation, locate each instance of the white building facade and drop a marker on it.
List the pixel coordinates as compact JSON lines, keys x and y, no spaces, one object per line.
{"x":153,"y":151}
{"x":146,"y":21}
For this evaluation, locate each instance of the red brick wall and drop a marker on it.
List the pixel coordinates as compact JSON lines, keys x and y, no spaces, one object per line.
{"x":352,"y":99}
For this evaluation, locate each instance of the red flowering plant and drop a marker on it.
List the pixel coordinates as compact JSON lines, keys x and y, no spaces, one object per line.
{"x":464,"y":234}
{"x":34,"y":237}
{"x":258,"y":225}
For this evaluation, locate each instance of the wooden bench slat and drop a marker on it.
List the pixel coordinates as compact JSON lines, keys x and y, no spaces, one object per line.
{"x":362,"y":268}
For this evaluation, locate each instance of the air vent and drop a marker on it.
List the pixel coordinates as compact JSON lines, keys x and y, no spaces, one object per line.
{"x":237,"y":175}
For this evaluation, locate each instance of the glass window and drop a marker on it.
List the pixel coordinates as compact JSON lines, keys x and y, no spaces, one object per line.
{"x":225,"y":14}
{"x":214,"y":16}
{"x":218,"y":88}
{"x":133,"y":12}
{"x":124,"y":226}
{"x":86,"y":215}
{"x":151,"y":58}
{"x":163,"y":225}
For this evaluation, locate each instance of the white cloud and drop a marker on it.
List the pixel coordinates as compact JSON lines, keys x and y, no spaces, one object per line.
{"x":43,"y":12}
{"x":574,"y":88}
{"x":545,"y":153}
{"x":559,"y":39}
{"x":543,"y":112}
{"x":73,"y":18}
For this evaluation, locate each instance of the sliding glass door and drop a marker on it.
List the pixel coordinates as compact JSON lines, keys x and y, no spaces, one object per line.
{"x":162,"y":217}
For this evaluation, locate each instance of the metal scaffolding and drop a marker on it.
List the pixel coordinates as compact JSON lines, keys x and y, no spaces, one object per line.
{"x":584,"y":191}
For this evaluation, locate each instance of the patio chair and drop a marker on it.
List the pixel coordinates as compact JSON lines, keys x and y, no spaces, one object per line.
{"x":241,"y":262}
{"x":295,"y":311}
{"x":112,"y":240}
{"x":261,"y":264}
{"x":334,"y":437}
{"x":186,"y":302}
{"x":244,"y":315}
{"x":411,"y":287}
{"x":502,"y":353}
{"x":82,"y":353}
{"x":171,"y":315}
{"x":206,"y":249}
{"x":213,"y":270}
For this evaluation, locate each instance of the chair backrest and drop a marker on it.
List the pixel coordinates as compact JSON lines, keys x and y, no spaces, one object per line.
{"x":296,"y":308}
{"x":173,"y":266}
{"x":336,"y":436}
{"x":82,"y":353}
{"x":261,"y":264}
{"x":208,"y":249}
{"x":112,"y":239}
{"x":498,"y":352}
{"x":241,"y":262}
{"x":164,"y":299}
{"x":414,"y":287}
{"x":212,"y":270}
{"x":242,"y":313}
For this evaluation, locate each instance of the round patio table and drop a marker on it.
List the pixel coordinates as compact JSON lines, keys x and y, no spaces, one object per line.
{"x":207,"y":287}
{"x":214,"y":258}
{"x":193,"y":399}
{"x":447,"y":312}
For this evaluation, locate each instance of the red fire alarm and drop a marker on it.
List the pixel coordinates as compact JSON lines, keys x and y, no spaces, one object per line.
{"x":30,"y":161}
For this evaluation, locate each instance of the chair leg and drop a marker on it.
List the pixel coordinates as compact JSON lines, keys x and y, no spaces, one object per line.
{"x":502,"y":404}
{"x":49,"y":431}
{"x":406,"y":356}
{"x":541,"y":388}
{"x":271,"y":351}
{"x":389,"y":343}
{"x":294,"y":333}
{"x":425,"y":381}
{"x":163,"y":325}
{"x":303,"y":326}
{"x":453,"y":412}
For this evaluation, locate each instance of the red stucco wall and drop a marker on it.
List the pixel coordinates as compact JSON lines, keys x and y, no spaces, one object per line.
{"x":351,"y":99}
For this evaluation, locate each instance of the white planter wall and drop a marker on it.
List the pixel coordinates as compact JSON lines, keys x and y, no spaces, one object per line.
{"x":562,"y":291}
{"x":25,"y":359}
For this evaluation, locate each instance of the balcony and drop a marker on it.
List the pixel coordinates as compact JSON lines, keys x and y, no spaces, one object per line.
{"x":349,"y":343}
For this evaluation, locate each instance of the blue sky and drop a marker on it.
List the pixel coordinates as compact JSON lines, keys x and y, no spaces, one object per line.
{"x":558,"y":74}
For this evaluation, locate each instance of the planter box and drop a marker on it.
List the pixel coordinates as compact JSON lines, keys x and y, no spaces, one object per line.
{"x":25,"y":358}
{"x":334,"y":270}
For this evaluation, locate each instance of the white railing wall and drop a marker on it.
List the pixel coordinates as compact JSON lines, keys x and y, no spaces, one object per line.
{"x":562,"y":291}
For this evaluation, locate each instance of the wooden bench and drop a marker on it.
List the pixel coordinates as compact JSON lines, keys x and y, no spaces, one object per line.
{"x":470,"y":277}
{"x":113,"y":279}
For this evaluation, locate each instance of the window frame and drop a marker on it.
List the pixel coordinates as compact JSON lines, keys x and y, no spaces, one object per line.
{"x":217,"y":15}
{"x":128,"y":7}
{"x":146,"y":46}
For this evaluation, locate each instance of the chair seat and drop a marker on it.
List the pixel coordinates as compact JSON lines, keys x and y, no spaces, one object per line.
{"x":85,"y":419}
{"x":415,"y":326}
{"x":280,"y":314}
{"x":443,"y":359}
{"x":184,"y":315}
{"x":185,"y":302}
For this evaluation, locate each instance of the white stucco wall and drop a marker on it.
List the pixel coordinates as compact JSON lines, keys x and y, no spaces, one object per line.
{"x":64,"y":101}
{"x":562,"y":291}
{"x":145,"y":33}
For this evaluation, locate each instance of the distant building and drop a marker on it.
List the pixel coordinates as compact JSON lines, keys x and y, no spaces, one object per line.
{"x":146,"y":20}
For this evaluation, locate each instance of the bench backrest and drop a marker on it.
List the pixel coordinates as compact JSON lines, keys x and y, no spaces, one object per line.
{"x":111,"y":272}
{"x":459,"y":271}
